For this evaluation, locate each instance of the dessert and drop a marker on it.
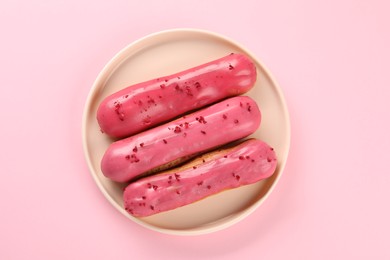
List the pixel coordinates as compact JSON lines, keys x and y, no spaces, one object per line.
{"x":246,"y":163}
{"x":174,"y":142}
{"x":147,"y":104}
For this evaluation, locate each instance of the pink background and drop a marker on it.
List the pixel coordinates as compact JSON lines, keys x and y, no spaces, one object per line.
{"x":331,"y":59}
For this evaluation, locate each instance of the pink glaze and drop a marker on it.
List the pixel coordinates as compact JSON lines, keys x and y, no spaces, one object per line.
{"x":149,"y":103}
{"x":247,"y":163}
{"x":213,"y":126}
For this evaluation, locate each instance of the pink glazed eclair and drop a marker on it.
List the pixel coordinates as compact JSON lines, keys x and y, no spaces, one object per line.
{"x":144,"y":105}
{"x":247,"y":163}
{"x":167,"y":145}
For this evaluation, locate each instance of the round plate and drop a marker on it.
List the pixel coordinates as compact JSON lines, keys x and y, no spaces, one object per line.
{"x":166,"y":53}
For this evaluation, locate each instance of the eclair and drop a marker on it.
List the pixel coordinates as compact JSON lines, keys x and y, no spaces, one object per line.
{"x":172,"y":143}
{"x":147,"y":104}
{"x":246,"y":163}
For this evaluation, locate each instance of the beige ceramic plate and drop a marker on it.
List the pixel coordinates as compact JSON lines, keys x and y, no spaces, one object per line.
{"x":165,"y":53}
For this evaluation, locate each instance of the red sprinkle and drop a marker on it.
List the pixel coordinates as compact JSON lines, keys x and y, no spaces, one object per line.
{"x":144,"y":197}
{"x":204,"y":160}
{"x":201,"y":120}
{"x":151,"y":207}
{"x":186,"y":125}
{"x":133,"y":158}
{"x":149,"y":185}
{"x":178,"y":192}
{"x":225,"y":156}
{"x":200,"y":183}
{"x":237,"y":177}
{"x":236,"y":121}
{"x":178,"y":88}
{"x":253,"y":160}
{"x":241,"y":157}
{"x":188,"y":91}
{"x":224,"y":116}
{"x":135,"y":149}
{"x":208,"y":187}
{"x":269,"y":159}
{"x":184,"y":134}
{"x":249,"y":107}
{"x":165,"y":141}
{"x":150,"y":100}
{"x":141,"y":144}
{"x":177,"y":129}
{"x":117,"y":106}
{"x":194,"y":167}
{"x":126,"y":96}
{"x":230,"y":67}
{"x":177,"y":176}
{"x":162,"y":86}
{"x":155,"y":187}
{"x":197,"y":85}
{"x":203,"y":132}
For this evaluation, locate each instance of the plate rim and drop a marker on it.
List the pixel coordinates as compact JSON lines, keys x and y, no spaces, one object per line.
{"x":102,"y":78}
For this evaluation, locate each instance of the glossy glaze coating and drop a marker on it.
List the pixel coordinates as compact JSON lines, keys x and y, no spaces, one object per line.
{"x":213,"y":126}
{"x":247,"y":163}
{"x":149,"y":103}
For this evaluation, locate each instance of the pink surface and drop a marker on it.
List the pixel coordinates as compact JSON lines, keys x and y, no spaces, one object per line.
{"x":331,"y":59}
